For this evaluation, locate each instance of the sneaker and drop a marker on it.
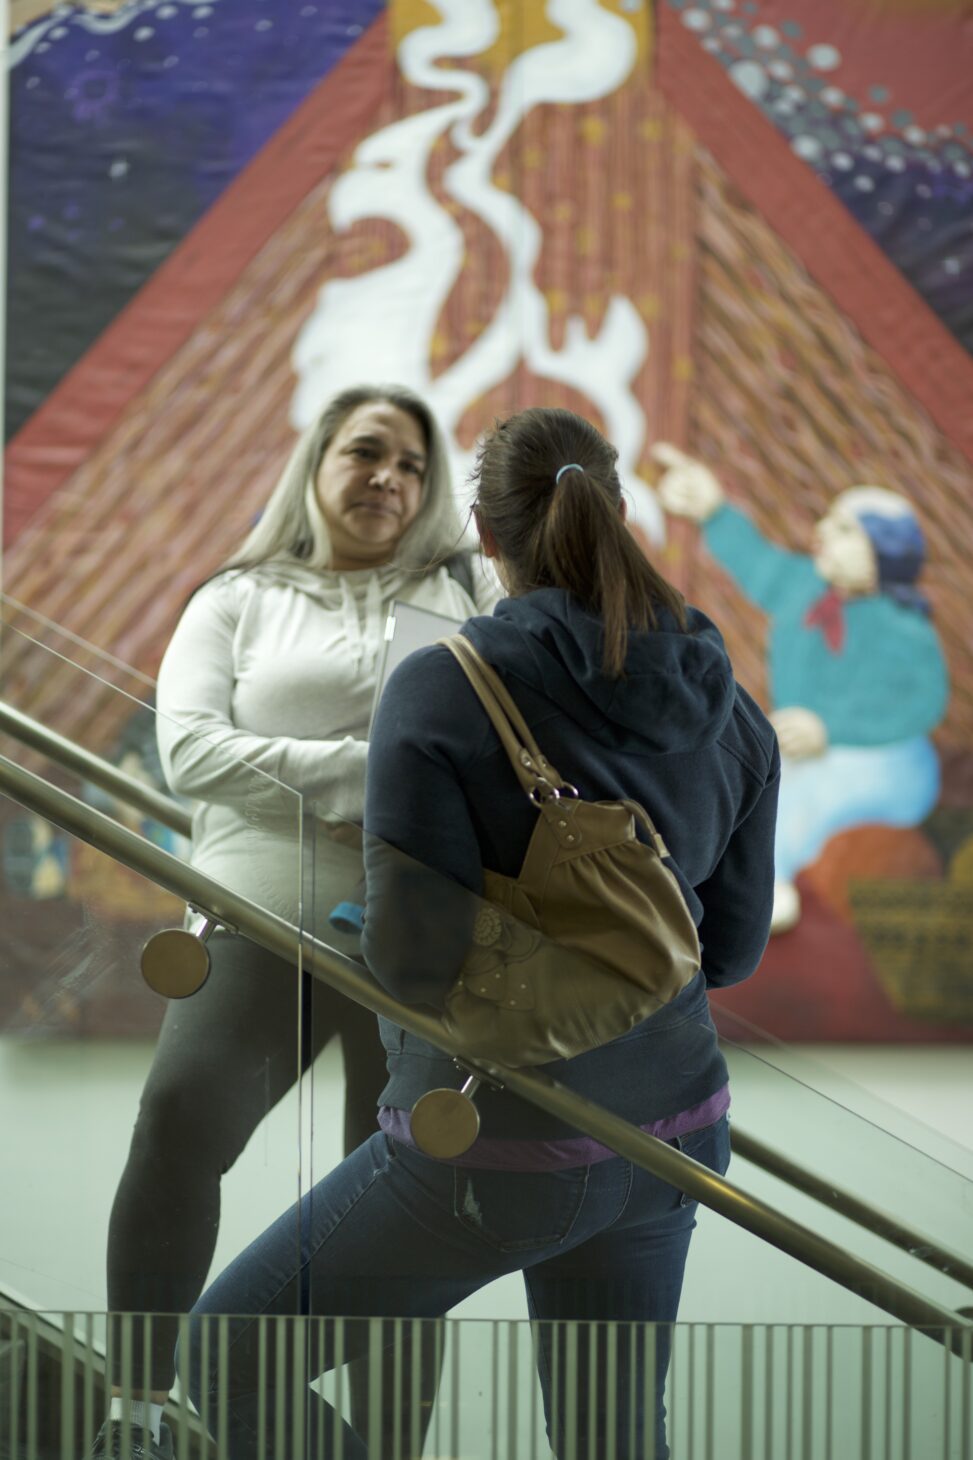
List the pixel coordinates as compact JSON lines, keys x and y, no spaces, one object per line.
{"x":108,"y":1444}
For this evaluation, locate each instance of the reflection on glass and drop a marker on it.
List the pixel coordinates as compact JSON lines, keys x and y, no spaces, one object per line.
{"x":848,"y":1136}
{"x":82,"y":1053}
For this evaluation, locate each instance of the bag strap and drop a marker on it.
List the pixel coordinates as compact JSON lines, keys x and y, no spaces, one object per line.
{"x":534,"y":772}
{"x":642,"y":816}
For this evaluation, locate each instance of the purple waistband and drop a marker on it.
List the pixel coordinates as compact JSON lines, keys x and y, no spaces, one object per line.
{"x":492,"y":1153}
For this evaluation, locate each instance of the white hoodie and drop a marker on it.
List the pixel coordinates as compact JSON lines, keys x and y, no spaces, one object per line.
{"x":264,"y":698}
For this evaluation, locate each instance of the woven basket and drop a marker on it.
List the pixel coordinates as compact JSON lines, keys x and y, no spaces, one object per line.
{"x":919,"y":936}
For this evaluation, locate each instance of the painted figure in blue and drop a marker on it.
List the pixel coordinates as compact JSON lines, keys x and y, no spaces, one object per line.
{"x":856,"y":672}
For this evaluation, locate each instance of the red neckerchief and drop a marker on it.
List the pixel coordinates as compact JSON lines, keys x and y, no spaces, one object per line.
{"x":828,"y":614}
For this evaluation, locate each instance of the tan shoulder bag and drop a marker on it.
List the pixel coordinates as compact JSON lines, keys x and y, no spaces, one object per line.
{"x":594,"y":934}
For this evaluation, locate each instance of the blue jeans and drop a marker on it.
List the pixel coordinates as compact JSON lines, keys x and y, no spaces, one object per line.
{"x":392,"y":1233}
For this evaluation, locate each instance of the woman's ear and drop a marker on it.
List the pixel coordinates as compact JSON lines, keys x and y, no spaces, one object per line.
{"x":623,"y":509}
{"x":487,"y":540}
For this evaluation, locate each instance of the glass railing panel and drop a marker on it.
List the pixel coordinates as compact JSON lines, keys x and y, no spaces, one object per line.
{"x":80,"y":1029}
{"x":339,"y":1108}
{"x":245,"y":819}
{"x":734,"y":1391}
{"x":878,"y":1083}
{"x":857,"y":1143}
{"x":79,"y":1042}
{"x":792,"y":1105}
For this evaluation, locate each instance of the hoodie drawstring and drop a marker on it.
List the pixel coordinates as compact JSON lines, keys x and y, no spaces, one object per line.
{"x":364,"y":620}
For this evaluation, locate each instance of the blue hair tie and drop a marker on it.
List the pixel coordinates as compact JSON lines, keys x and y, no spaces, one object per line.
{"x":571,"y":466}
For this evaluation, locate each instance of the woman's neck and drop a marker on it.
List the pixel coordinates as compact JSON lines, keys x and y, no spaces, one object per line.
{"x":346,"y":564}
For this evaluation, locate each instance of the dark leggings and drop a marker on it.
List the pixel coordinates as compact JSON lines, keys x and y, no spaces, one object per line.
{"x":224,"y":1058}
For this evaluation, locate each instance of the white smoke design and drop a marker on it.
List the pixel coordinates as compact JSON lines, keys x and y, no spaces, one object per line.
{"x":380,"y":324}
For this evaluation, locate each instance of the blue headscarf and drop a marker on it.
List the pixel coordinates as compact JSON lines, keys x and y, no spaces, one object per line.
{"x":898,"y":542}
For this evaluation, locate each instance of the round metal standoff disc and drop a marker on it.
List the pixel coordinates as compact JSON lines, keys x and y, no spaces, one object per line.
{"x":444,"y":1123}
{"x":174,"y":963}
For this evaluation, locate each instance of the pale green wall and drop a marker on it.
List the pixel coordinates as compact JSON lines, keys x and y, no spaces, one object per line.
{"x":68,"y":1110}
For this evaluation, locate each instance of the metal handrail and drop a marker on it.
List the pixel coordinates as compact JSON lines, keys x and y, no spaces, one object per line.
{"x":94,"y":768}
{"x":167,"y":811}
{"x":162,"y":808}
{"x":342,"y":973}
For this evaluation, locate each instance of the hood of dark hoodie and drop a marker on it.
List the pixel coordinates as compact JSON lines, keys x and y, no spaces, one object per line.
{"x":677,"y":692}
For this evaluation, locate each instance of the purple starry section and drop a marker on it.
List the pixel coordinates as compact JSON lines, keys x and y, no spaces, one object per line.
{"x":909,"y":187}
{"x":124,"y":129}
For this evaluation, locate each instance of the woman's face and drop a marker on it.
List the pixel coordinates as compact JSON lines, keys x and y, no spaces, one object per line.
{"x":843,"y":554}
{"x":369,"y":484}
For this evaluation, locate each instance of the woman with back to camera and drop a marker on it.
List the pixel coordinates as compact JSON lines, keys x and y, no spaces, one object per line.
{"x":630,"y":694}
{"x":267,"y":685}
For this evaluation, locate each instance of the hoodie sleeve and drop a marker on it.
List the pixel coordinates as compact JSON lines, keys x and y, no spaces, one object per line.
{"x":739,"y":896}
{"x":207,"y":757}
{"x":422,"y":857}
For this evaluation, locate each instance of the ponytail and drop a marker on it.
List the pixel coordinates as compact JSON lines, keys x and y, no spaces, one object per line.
{"x":548,"y":492}
{"x":589,"y":551}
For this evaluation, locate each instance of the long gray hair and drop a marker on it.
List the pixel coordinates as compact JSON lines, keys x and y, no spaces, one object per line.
{"x":292,"y":524}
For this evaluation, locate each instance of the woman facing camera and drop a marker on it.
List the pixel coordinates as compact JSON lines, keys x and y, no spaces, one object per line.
{"x":266,"y":689}
{"x":630,"y":694}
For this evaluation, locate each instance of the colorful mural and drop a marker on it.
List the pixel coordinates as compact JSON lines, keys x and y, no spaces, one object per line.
{"x":737,"y":234}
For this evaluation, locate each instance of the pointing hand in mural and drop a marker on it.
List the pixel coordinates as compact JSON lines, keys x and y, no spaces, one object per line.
{"x":856,"y":673}
{"x":687,"y":488}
